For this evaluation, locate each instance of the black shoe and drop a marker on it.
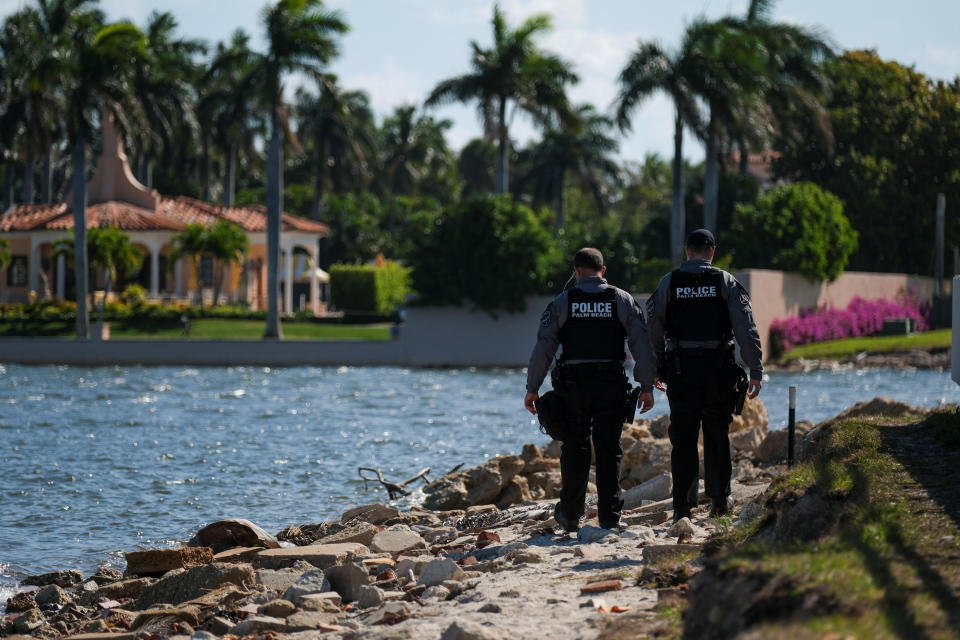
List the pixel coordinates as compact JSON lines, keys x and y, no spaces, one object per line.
{"x":610,"y":524}
{"x":570,"y":525}
{"x":720,"y":508}
{"x":680,"y":514}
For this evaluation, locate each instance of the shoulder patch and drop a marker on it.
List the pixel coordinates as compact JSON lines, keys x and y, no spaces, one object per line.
{"x":546,"y":317}
{"x":742,"y":293}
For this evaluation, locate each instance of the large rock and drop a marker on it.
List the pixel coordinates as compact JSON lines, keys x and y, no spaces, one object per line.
{"x":52,"y":595}
{"x":484,"y":483}
{"x":370,"y":596}
{"x":754,"y":415}
{"x":257,"y":625}
{"x":310,"y":620}
{"x":463,"y":630}
{"x":646,"y":459}
{"x":322,"y":556}
{"x":347,"y":579}
{"x":195,"y":582}
{"x":124,"y":589}
{"x":747,"y":441}
{"x":156,"y":562}
{"x":656,"y":488}
{"x":436,"y":571}
{"x":660,"y":427}
{"x":773,"y":449}
{"x":881,"y":406}
{"x":446,"y":493}
{"x":233,"y":532}
{"x":372,"y":513}
{"x":63,"y":579}
{"x":544,"y":484}
{"x":394,"y":542}
{"x":516,"y":491}
{"x":29,"y":621}
{"x":308,"y":583}
{"x":362,"y":532}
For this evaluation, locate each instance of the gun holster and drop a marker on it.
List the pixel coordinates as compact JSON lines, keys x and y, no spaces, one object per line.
{"x":633,"y":396}
{"x":742,"y":384}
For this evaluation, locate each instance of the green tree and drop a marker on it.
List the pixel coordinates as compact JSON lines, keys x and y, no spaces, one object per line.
{"x":300,"y":38}
{"x":513,"y":72}
{"x":99,"y":62}
{"x":227,"y":243}
{"x":339,"y":126}
{"x":5,"y":256}
{"x":189,"y":244}
{"x":452,"y":265}
{"x":653,"y":69}
{"x":111,"y":251}
{"x":583,"y":150}
{"x":796,"y":227}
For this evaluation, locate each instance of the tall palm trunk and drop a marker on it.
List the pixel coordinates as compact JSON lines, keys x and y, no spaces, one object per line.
{"x":80,"y":232}
{"x":677,"y":211}
{"x":205,"y":166}
{"x":147,"y":172}
{"x":744,"y":158}
{"x":274,"y":207}
{"x":321,"y":150}
{"x":711,"y":180}
{"x":502,"y":182}
{"x":230,"y":174}
{"x":8,"y":179}
{"x":47,"y":176}
{"x":28,"y":176}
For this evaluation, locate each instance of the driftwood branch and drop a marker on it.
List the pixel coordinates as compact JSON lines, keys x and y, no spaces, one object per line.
{"x":395,"y":489}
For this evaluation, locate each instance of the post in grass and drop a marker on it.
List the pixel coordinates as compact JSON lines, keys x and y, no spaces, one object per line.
{"x":791,"y":424}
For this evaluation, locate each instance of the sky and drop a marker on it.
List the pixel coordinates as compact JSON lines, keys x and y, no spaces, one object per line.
{"x":398,"y":50}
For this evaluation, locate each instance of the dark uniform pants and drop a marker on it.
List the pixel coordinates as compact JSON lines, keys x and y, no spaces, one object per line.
{"x":594,"y":394}
{"x":702,"y":394}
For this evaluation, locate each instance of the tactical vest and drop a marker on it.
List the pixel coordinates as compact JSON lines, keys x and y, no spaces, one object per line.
{"x":592,"y":330}
{"x":696,"y":309}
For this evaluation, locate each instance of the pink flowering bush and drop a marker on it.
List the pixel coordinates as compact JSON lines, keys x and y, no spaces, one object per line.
{"x":860,"y":318}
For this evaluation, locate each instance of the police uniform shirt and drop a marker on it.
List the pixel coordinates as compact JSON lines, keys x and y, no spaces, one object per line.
{"x":628,"y":312}
{"x":738,"y":305}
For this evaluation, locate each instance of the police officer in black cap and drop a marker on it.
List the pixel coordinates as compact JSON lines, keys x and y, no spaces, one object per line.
{"x":591,"y":322}
{"x":695,"y":316}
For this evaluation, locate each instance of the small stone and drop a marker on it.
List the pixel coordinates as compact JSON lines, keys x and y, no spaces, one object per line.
{"x":106,"y":575}
{"x":22,"y":601}
{"x":509,"y":593}
{"x":218,"y":626}
{"x":602,"y":586}
{"x":469,"y":561}
{"x":436,"y":571}
{"x":327,"y":601}
{"x":164,"y":621}
{"x":596,"y":604}
{"x":394,"y":542}
{"x":487,"y":538}
{"x":346,"y":579}
{"x":440,"y":535}
{"x":237,"y":554}
{"x":682,"y":526}
{"x":156,"y":562}
{"x":589,"y":551}
{"x":310,"y":620}
{"x":462,"y":630}
{"x":310,"y":582}
{"x":203,"y":635}
{"x":490,"y":607}
{"x":372,"y":513}
{"x":389,"y":613}
{"x":277,"y":609}
{"x":52,"y":595}
{"x":524,"y":557}
{"x":257,"y":625}
{"x":370,"y":596}
{"x":362,"y":532}
{"x":437,"y":592}
{"x":63,"y":579}
{"x":29,"y":621}
{"x":590,"y":533}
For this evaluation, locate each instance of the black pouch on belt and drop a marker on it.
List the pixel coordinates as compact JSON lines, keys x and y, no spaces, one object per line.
{"x":552,"y":414}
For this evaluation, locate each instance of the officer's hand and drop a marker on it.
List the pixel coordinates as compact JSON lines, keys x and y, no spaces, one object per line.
{"x":754,"y":389}
{"x":659,"y":384}
{"x":528,"y":401}
{"x":645,"y":401}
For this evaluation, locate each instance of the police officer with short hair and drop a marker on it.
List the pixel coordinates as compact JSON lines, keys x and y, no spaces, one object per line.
{"x":696,"y":314}
{"x":591,"y":322}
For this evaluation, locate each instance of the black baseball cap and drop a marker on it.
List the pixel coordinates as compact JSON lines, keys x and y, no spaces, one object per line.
{"x":701,"y":237}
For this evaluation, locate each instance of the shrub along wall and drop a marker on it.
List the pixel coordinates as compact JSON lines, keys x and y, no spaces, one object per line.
{"x":368,"y":289}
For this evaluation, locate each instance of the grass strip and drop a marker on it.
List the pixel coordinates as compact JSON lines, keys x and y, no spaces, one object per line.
{"x":939,"y":339}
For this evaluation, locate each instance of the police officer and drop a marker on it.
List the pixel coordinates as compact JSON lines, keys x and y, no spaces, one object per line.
{"x":591,"y":321}
{"x":694,"y":316}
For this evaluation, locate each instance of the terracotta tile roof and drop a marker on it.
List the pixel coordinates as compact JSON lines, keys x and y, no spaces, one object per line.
{"x":173,"y":214}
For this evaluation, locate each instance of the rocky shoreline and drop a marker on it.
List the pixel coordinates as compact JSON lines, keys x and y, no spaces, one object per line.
{"x":937,"y":359}
{"x":481,"y":558}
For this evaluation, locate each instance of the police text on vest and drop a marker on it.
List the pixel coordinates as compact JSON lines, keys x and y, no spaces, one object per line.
{"x":696,"y":292}
{"x":592,"y":309}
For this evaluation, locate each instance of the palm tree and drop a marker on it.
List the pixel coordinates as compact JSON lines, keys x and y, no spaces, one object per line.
{"x":650,"y":69}
{"x":300,"y":38}
{"x":227,"y":113}
{"x":5,"y":256}
{"x":227,"y":243}
{"x":163,"y":86}
{"x":339,"y":125}
{"x":110,"y":250}
{"x":583,"y":150}
{"x":514,"y":72}
{"x":191,"y":243}
{"x":412,"y":149}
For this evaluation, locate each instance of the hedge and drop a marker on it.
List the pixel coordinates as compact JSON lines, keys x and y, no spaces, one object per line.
{"x":368,"y":289}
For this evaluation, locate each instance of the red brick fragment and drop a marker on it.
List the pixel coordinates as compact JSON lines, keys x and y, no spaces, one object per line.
{"x":603,"y":585}
{"x":469,"y":561}
{"x":386,"y":574}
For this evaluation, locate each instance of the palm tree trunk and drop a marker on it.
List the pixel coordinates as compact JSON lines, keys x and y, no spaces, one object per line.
{"x":711,"y":180}
{"x":147,"y":172}
{"x":80,"y":232}
{"x":8,"y":179}
{"x":502,"y":185}
{"x":677,"y":212}
{"x":230,"y":174}
{"x":205,"y":166}
{"x":47,"y":176}
{"x":744,"y":158}
{"x":28,"y":178}
{"x":319,"y":178}
{"x":274,"y":208}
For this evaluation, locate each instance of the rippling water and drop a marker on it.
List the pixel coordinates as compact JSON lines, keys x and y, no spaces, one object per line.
{"x":98,"y":461}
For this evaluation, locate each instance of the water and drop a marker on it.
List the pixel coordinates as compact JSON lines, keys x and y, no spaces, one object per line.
{"x":99,"y":461}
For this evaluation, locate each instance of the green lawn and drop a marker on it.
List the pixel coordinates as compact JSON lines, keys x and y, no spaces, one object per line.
{"x":220,"y":329}
{"x":939,"y":339}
